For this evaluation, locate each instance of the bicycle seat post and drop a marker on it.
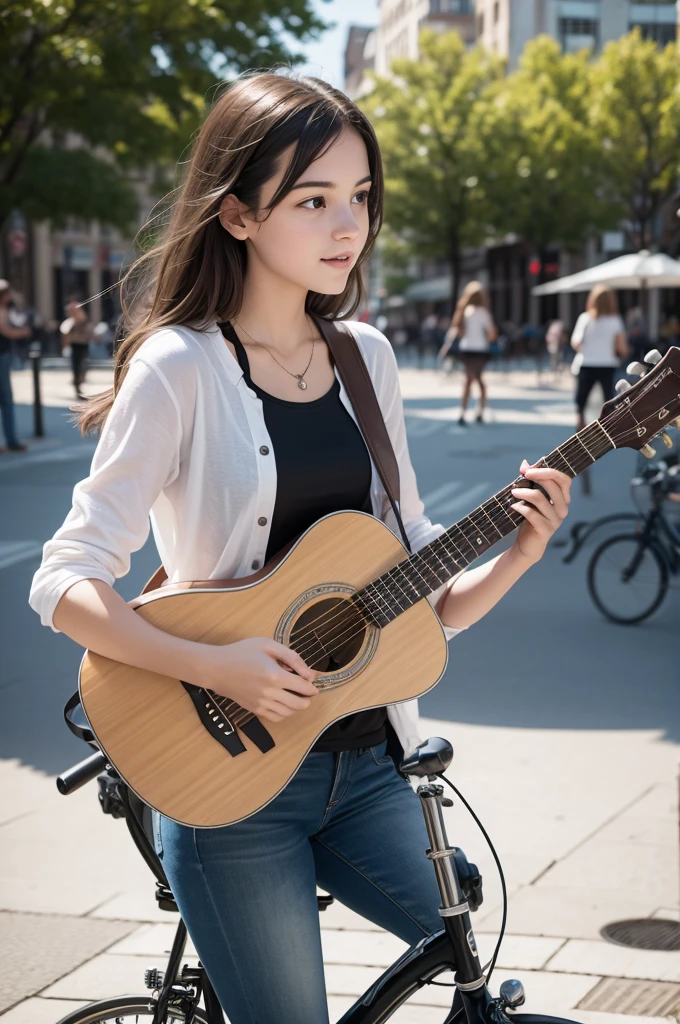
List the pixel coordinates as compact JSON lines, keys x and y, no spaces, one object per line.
{"x":440,"y":853}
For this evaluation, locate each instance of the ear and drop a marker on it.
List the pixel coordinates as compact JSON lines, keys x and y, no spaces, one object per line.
{"x":231,"y":215}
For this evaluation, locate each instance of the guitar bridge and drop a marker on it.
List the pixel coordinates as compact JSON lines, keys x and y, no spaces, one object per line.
{"x":219,"y":722}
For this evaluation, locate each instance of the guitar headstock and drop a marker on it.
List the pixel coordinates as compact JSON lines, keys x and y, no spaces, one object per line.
{"x":639,"y":412}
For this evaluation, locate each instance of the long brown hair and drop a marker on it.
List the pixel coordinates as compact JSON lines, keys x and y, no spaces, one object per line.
{"x":602,"y":301}
{"x":473,"y":295}
{"x":195,"y":274}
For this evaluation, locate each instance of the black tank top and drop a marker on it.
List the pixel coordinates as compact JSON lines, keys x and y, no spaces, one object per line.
{"x":322,"y":466}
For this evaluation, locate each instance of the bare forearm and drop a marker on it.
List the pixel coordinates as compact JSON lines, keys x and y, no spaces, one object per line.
{"x":94,"y":615}
{"x":476,"y":592}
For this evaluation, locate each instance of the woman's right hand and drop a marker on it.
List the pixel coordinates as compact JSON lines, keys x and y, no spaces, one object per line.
{"x":260,"y":674}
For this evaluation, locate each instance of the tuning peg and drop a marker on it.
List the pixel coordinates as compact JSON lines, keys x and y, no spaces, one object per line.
{"x":636,"y":369}
{"x":666,"y":440}
{"x":648,"y":451}
{"x":622,"y":385}
{"x":653,"y":357}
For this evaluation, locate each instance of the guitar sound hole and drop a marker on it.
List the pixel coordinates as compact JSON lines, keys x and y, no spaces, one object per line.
{"x":328,"y":634}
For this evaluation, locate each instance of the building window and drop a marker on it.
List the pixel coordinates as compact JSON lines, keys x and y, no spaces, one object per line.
{"x":452,"y":6}
{"x":660,"y":33}
{"x":578,"y":33}
{"x":496,"y":11}
{"x":480,"y":24}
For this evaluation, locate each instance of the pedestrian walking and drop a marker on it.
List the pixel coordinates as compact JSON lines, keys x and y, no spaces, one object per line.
{"x":599,"y":340}
{"x":554,"y":342}
{"x":8,"y":335}
{"x":76,"y":333}
{"x":228,"y":422}
{"x":476,"y":331}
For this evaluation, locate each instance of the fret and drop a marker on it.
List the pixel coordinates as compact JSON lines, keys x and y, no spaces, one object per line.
{"x":490,"y":519}
{"x":505,"y":511}
{"x":598,"y":424}
{"x":410,"y":566}
{"x":572,"y":471}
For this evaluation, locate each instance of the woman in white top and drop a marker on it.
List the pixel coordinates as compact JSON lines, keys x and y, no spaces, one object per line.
{"x":226,"y":413}
{"x":476,"y":331}
{"x":599,"y":338}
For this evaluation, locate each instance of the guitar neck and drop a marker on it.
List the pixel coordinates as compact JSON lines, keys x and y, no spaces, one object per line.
{"x":423,"y":572}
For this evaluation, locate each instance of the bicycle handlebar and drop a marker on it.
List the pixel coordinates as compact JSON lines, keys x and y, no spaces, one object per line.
{"x":82,"y":773}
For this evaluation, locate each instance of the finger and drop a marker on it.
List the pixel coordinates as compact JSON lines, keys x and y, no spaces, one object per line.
{"x":274,"y":707}
{"x":543,"y":474}
{"x":538,"y":522}
{"x":554,"y":495}
{"x":269,"y":716}
{"x":538,"y":501}
{"x":289,"y":699}
{"x":295,"y":683}
{"x":293,"y":660}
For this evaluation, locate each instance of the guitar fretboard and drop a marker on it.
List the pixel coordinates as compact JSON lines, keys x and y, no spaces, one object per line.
{"x":421,"y":573}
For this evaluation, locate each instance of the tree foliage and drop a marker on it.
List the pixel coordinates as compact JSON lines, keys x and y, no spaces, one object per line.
{"x":127,"y":79}
{"x":635,"y":119}
{"x":422,"y":117}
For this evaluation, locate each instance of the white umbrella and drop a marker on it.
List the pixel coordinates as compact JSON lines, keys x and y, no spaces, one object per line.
{"x":638,"y":270}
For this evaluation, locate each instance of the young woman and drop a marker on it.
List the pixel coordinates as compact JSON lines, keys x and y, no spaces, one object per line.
{"x":472,"y":320}
{"x":77,"y":333}
{"x":228,"y":422}
{"x":8,"y":335}
{"x":599,"y":338}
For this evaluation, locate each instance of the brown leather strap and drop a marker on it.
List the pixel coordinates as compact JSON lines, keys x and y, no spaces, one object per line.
{"x":359,"y":387}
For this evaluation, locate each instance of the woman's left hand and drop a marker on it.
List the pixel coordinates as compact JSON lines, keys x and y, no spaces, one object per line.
{"x":543,"y":515}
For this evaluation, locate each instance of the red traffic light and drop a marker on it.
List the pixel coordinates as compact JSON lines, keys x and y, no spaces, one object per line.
{"x":534,"y":267}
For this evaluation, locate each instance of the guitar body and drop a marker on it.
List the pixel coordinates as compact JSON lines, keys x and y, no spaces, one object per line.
{"x":148,"y":725}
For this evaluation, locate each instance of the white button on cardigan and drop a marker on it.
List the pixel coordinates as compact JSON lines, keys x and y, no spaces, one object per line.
{"x":186,"y":447}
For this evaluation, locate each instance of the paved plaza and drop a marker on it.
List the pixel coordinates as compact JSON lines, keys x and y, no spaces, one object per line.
{"x":566,"y":730}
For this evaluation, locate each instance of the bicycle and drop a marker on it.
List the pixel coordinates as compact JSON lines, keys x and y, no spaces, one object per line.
{"x":179,"y":989}
{"x":629,"y":573}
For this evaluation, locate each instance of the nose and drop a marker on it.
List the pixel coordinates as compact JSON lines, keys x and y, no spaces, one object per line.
{"x":346,"y":225}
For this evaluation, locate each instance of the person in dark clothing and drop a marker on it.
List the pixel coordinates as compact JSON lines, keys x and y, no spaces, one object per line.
{"x":8,"y":334}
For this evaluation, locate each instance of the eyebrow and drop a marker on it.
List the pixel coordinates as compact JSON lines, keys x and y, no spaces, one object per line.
{"x":327,"y":184}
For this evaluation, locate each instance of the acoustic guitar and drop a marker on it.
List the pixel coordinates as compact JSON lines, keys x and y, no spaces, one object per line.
{"x":345,"y":597}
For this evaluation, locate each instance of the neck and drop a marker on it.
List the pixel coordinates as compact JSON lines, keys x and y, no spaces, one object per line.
{"x":273,"y":309}
{"x":423,"y":572}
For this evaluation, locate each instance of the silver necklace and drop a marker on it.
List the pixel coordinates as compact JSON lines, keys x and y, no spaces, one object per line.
{"x":300,"y":377}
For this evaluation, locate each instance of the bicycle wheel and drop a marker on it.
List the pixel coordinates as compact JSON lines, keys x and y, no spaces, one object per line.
{"x":127,"y":1010}
{"x":627,"y":578}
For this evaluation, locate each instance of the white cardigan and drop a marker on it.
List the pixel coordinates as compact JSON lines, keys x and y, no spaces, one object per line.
{"x":186,"y":444}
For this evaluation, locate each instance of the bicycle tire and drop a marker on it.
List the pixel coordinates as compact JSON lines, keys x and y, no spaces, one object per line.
{"x":657,"y":556}
{"x":124,"y":1009}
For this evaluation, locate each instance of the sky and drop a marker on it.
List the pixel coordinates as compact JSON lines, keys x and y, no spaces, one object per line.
{"x":325,"y":57}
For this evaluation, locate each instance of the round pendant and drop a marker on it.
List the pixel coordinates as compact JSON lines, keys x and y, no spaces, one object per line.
{"x":302,"y":383}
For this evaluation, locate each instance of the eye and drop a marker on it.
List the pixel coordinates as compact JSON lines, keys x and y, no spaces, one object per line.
{"x":362,"y":197}
{"x":314,"y":199}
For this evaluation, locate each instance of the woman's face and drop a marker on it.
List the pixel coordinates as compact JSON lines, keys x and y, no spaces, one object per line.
{"x":323,"y":217}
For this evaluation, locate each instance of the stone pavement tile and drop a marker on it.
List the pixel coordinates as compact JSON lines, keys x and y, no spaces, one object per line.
{"x":350,"y":980}
{"x":150,"y":940}
{"x":69,"y":842}
{"x":595,"y":1017}
{"x":23,"y":789}
{"x":36,"y":949}
{"x":518,"y":952}
{"x":368,"y":949}
{"x":581,"y":956}
{"x":571,"y":912}
{"x":136,"y":904}
{"x":41,"y":1011}
{"x":107,"y":975}
{"x":643,"y":870}
{"x":547,"y":992}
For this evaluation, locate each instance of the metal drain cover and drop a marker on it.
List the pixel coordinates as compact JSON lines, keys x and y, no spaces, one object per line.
{"x":644,"y":933}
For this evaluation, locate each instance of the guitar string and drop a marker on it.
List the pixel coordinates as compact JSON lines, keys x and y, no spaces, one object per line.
{"x":344,"y":620}
{"x":572,"y":443}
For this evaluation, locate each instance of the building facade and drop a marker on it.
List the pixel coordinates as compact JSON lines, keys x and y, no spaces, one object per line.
{"x":506,"y":26}
{"x":401,"y":21}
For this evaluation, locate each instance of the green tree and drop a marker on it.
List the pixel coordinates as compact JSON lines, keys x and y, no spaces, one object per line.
{"x":422,"y":115}
{"x":635,"y":116}
{"x":543,"y":173}
{"x":129,"y":80}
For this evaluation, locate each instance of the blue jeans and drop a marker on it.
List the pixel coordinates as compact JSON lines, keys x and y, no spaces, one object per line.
{"x":6,"y":400}
{"x":247,"y":892}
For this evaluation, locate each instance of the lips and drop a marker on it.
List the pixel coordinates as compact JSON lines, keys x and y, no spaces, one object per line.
{"x":342,"y":257}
